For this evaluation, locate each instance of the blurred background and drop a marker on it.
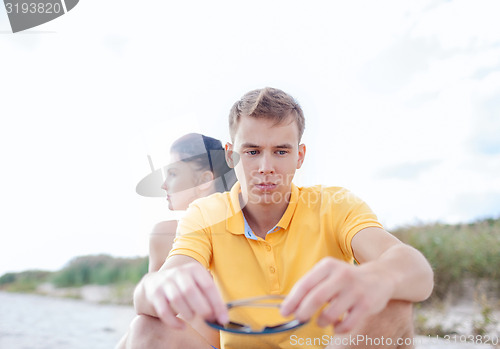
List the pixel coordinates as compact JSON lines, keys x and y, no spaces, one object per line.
{"x":402,"y":106}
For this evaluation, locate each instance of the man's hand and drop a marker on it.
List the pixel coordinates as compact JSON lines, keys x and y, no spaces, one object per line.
{"x":186,"y":290}
{"x":350,"y":293}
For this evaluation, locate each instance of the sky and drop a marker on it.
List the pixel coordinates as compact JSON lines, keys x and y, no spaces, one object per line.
{"x":402,"y":106}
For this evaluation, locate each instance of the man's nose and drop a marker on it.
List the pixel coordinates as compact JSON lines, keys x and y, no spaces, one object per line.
{"x":266,"y":165}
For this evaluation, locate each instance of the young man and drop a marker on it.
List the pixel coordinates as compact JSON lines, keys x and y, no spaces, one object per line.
{"x":268,"y":237}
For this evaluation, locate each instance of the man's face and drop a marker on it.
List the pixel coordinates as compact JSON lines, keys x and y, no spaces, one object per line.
{"x":269,"y":155}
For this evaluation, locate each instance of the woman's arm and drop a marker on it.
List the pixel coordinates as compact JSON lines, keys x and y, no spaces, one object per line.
{"x":160,"y":243}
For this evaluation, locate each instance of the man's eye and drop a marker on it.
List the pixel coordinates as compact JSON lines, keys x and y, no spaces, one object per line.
{"x":282,"y":152}
{"x":252,"y":152}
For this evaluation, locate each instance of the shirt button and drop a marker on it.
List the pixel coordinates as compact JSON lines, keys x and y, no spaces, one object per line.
{"x":272,"y":270}
{"x":268,"y":247}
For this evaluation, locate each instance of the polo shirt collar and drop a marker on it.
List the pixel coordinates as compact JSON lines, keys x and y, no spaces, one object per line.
{"x":235,"y":222}
{"x":290,"y":210}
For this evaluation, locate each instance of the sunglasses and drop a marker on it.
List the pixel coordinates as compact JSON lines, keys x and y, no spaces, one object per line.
{"x":272,"y":301}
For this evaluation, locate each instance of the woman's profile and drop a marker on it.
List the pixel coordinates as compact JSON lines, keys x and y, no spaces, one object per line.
{"x":197,"y":168}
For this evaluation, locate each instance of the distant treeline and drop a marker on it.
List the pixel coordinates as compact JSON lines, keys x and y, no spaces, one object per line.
{"x":25,"y":281}
{"x":92,"y":269}
{"x":101,"y":270}
{"x":456,"y":252}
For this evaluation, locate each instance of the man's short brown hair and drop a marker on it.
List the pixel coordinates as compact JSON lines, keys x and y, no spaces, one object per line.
{"x":267,"y":103}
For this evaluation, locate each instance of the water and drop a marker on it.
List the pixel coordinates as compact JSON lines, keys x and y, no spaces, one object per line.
{"x":39,"y":322}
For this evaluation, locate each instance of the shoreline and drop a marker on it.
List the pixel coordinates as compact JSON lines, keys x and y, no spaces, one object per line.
{"x":95,"y":299}
{"x":121,"y":294}
{"x":475,"y":315}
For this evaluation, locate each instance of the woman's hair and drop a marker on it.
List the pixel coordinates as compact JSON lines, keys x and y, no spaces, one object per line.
{"x":208,"y":155}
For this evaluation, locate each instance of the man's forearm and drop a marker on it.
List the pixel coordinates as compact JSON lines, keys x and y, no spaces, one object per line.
{"x":408,"y":271}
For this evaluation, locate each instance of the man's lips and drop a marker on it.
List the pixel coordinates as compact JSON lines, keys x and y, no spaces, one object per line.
{"x":266,"y":186}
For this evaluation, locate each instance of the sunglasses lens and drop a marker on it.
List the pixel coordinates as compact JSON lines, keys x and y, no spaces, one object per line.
{"x":257,"y":317}
{"x":283,"y":327}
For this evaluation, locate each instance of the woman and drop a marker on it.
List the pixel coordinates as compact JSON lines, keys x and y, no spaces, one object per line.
{"x":197,"y":169}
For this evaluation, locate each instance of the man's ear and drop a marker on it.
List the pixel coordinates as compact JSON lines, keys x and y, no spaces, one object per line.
{"x":232,"y":157}
{"x":302,"y":155}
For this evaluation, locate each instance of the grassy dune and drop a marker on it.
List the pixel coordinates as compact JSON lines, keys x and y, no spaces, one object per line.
{"x":80,"y":271}
{"x":458,"y":252}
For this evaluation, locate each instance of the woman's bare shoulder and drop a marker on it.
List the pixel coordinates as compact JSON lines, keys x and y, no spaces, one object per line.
{"x":164,"y":227}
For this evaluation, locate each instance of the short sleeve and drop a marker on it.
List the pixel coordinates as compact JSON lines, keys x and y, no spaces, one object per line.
{"x":355,"y":215}
{"x":193,"y":237}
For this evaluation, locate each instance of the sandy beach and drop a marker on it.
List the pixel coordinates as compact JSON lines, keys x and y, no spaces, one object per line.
{"x":42,"y":322}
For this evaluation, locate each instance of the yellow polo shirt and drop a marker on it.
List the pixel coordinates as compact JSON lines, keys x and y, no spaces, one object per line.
{"x":318,"y":222}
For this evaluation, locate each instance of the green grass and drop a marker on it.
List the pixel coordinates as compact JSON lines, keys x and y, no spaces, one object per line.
{"x":84,"y":270}
{"x":100,"y":270}
{"x":26,"y":281}
{"x":457,"y":252}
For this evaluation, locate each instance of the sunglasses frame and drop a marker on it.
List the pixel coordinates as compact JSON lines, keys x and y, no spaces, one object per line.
{"x":255,"y":302}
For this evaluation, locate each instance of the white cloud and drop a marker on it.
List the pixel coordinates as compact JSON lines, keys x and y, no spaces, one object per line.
{"x":460,"y":24}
